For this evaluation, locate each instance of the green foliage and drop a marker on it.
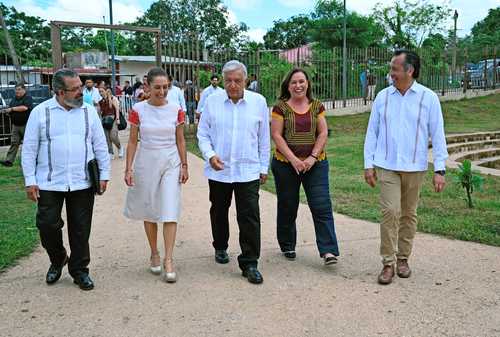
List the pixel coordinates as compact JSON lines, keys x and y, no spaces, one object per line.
{"x":469,"y":180}
{"x":272,"y":71}
{"x":30,"y":35}
{"x":18,"y":233}
{"x":487,"y":31}
{"x":408,"y":22}
{"x":203,"y":20}
{"x":327,"y":27}
{"x":288,"y":34}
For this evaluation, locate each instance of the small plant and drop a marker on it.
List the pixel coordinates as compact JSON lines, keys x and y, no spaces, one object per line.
{"x":470,"y":180}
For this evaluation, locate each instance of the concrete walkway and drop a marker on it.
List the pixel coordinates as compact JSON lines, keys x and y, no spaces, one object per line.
{"x":454,"y":289}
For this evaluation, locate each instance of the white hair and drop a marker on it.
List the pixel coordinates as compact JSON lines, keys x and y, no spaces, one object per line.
{"x":232,"y":66}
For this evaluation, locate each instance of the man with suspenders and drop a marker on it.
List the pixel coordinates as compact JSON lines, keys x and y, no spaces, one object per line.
{"x":62,"y":135}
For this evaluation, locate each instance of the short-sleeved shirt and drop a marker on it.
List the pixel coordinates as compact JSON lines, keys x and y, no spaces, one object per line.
{"x":299,"y":130}
{"x":157,"y":123}
{"x":21,"y":118}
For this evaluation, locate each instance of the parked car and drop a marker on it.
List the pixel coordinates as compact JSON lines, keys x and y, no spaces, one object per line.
{"x":481,"y":77}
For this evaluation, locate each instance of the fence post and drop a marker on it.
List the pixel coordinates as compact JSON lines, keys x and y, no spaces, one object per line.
{"x":466,"y":74}
{"x":494,"y":84}
{"x":334,"y":77}
{"x":443,"y":74}
{"x":365,"y":69}
{"x":485,"y":86}
{"x":257,"y":70}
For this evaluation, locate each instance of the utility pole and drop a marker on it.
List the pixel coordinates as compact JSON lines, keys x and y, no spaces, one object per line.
{"x":13,"y":55}
{"x":344,"y":59}
{"x":113,"y":71}
{"x":454,"y":61}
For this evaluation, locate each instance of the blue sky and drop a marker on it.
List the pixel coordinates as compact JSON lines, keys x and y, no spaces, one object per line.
{"x":257,"y":14}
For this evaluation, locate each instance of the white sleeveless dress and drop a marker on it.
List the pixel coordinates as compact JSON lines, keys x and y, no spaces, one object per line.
{"x":156,"y":194}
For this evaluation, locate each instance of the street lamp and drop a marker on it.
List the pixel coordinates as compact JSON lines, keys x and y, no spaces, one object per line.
{"x":454,"y":61}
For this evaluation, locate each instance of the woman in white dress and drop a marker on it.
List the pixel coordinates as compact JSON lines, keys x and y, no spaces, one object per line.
{"x":159,"y":170}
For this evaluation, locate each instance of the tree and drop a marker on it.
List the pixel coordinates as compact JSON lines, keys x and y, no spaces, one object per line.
{"x":102,"y":41}
{"x":487,"y":31}
{"x":187,"y":20}
{"x":30,"y":35}
{"x":408,"y":22}
{"x":288,"y":34}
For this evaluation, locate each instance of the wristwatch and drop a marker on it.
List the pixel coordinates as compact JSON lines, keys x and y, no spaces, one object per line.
{"x":440,"y":172}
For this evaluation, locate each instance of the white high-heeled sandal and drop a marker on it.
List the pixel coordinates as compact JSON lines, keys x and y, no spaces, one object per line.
{"x":155,"y":269}
{"x":169,"y":277}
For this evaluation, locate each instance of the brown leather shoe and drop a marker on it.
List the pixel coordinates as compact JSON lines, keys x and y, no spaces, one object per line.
{"x":403,"y":269}
{"x":386,"y":275}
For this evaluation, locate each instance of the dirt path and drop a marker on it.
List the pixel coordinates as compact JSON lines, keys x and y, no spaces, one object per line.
{"x":454,"y":289}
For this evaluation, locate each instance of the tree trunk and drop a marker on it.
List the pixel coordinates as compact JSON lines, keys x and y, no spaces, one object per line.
{"x":469,"y":197}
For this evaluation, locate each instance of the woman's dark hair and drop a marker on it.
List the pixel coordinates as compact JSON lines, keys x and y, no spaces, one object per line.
{"x":411,"y":59}
{"x":285,"y":93}
{"x":155,"y":72}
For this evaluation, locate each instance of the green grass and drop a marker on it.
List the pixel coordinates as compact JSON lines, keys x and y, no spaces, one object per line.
{"x":18,"y":233}
{"x":444,"y":213}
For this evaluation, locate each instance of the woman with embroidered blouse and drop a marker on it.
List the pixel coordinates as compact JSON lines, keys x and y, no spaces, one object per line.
{"x":300,"y":132}
{"x":159,"y":170}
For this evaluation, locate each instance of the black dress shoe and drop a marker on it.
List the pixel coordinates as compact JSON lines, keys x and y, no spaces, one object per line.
{"x":221,"y":256}
{"x":54,"y":272}
{"x":290,"y":255}
{"x":253,"y":275}
{"x":6,"y":163}
{"x":84,"y":282}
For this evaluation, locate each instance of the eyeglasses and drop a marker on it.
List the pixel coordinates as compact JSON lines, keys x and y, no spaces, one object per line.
{"x":79,"y":88}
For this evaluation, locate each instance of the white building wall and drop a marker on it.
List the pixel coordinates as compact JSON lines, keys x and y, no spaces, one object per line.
{"x":139,"y":69}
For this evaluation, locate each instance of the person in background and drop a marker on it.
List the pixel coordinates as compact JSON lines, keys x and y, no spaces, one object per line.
{"x":19,"y":110}
{"x":110,"y":109}
{"x":211,"y":89}
{"x":372,"y":84}
{"x":254,"y":84}
{"x":190,"y":98}
{"x":175,"y":94}
{"x":91,"y":94}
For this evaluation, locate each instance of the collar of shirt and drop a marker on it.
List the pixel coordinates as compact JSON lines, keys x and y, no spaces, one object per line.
{"x":415,"y":87}
{"x":243,"y":99}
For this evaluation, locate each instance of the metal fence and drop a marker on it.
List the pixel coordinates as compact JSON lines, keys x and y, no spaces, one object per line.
{"x":448,"y":72}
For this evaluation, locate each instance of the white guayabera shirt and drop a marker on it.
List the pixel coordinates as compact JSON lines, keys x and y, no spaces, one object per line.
{"x":59,"y":143}
{"x":399,"y":129}
{"x":237,"y":133}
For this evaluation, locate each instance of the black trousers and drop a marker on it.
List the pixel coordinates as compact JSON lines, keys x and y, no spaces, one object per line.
{"x":79,"y":207}
{"x":247,"y":214}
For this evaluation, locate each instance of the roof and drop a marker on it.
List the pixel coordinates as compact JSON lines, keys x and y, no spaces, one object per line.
{"x":13,"y":68}
{"x":152,"y":59}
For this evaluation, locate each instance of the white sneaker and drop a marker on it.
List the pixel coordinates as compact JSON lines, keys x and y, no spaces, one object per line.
{"x":120,"y":152}
{"x":111,"y":156}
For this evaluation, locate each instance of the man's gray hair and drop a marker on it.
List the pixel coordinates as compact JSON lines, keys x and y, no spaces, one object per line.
{"x":232,"y":66}
{"x":58,"y":79}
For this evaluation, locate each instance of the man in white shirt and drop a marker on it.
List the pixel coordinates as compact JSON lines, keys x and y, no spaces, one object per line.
{"x":207,"y":92}
{"x":91,"y":94}
{"x":234,"y":138}
{"x":403,"y":118}
{"x":175,"y":94}
{"x":62,"y":135}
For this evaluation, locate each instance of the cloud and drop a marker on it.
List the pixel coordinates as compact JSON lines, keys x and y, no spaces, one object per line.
{"x":256,"y":34}
{"x":231,"y":16}
{"x":91,"y":11}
